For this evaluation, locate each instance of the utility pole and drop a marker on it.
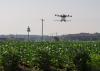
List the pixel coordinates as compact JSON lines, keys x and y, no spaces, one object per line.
{"x":42,"y":28}
{"x":28,"y":30}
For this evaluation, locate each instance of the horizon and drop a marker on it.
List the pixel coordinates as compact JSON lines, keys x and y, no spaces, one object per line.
{"x":17,"y":15}
{"x":53,"y":34}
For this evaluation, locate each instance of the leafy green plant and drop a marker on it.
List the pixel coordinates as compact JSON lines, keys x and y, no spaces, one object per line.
{"x":57,"y":55}
{"x":81,"y":60}
{"x":43,"y":59}
{"x":10,"y":61}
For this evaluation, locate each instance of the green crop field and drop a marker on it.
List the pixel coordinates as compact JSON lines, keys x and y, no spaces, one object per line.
{"x":50,"y":56}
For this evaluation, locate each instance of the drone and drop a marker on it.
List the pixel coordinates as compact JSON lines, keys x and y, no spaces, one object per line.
{"x":63,"y":17}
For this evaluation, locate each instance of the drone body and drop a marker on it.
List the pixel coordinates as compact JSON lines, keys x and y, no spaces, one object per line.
{"x":63,"y":17}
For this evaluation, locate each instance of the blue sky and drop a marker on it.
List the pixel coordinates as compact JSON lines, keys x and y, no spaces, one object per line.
{"x":16,"y":15}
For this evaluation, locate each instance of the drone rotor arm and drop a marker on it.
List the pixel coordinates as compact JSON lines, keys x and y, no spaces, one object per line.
{"x":58,"y":15}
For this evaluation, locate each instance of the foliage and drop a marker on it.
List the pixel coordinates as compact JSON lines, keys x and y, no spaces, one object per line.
{"x":10,"y":61}
{"x":54,"y":56}
{"x":81,"y":60}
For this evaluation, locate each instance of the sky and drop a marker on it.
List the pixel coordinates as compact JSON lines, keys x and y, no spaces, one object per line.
{"x":17,"y":15}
